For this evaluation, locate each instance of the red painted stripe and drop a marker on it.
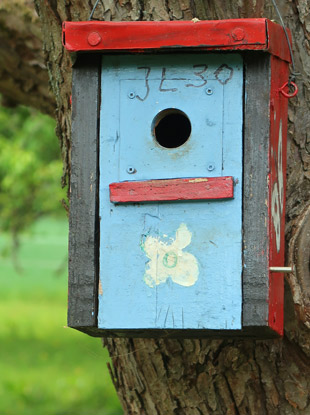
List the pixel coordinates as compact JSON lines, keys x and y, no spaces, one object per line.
{"x":138,"y":36}
{"x":277,"y":194}
{"x":172,"y":190}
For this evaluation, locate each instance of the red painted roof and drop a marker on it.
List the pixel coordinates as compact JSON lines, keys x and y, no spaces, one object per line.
{"x":233,"y":34}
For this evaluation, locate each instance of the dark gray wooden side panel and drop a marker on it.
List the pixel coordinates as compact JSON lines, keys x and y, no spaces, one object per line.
{"x":255,"y":190}
{"x":83,"y":224}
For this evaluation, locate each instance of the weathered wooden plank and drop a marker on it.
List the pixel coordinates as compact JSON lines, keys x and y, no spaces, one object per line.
{"x":255,"y":190}
{"x":246,"y":332}
{"x":277,"y":185}
{"x":83,"y":229}
{"x":173,"y":189}
{"x":232,"y":34}
{"x":170,"y":265}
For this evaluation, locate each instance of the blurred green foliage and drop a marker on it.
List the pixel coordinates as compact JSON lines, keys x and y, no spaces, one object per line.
{"x":30,"y":168}
{"x":45,"y":367}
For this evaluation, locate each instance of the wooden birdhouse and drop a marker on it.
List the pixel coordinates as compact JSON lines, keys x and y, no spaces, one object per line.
{"x":178,"y":177}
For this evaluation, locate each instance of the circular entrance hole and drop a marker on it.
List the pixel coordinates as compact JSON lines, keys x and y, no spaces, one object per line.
{"x":171,"y":128}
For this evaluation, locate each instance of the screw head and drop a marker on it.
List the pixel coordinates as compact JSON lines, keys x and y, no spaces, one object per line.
{"x":211,"y":166}
{"x":131,"y":170}
{"x":131,"y":95}
{"x":94,"y":39}
{"x":209,"y":91}
{"x":238,"y":34}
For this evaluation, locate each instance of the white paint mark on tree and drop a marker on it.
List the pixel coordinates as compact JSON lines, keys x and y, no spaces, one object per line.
{"x":169,"y":260}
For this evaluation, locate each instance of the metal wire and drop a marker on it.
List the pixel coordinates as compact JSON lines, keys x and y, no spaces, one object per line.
{"x":294,"y":73}
{"x":93,"y":11}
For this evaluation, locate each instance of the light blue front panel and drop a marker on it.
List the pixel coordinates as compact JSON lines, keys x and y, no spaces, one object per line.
{"x":171,"y":265}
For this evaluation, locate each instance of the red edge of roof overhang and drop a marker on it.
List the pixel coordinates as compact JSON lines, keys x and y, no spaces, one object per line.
{"x":234,"y":34}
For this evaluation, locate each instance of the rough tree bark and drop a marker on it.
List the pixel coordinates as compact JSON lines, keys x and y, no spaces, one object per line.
{"x":195,"y":377}
{"x":23,"y":75}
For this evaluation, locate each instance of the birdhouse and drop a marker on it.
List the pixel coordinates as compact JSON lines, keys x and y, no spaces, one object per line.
{"x":178,"y":177}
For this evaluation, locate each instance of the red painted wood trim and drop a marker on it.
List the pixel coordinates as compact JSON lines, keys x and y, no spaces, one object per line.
{"x":277,"y":41}
{"x":172,"y":190}
{"x":233,"y":34}
{"x":219,"y":34}
{"x":277,"y":193}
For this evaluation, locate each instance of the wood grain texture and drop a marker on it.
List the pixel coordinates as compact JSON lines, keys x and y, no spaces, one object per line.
{"x":170,"y":265}
{"x":83,"y":236}
{"x":246,"y":333}
{"x":231,"y":34}
{"x":172,"y":189}
{"x":277,"y":190}
{"x":255,"y":190}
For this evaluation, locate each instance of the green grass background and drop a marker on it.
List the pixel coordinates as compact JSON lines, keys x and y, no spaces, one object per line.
{"x":46,"y":368}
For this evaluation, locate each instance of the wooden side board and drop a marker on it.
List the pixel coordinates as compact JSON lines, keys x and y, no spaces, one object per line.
{"x":255,"y":190}
{"x":277,"y":180}
{"x":83,"y":224}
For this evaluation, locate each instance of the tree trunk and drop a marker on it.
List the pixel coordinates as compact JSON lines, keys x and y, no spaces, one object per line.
{"x":23,"y":75}
{"x":221,"y":377}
